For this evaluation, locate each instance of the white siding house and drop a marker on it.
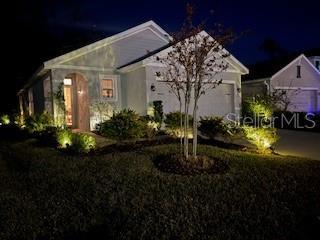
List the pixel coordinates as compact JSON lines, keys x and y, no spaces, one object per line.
{"x":120,"y":71}
{"x":300,"y":79}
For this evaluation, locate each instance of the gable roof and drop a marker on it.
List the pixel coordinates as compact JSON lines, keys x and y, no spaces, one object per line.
{"x":267,"y":68}
{"x":231,"y":59}
{"x":151,"y":25}
{"x":299,"y":58}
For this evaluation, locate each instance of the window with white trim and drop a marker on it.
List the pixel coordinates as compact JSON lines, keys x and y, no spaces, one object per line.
{"x":107,"y":88}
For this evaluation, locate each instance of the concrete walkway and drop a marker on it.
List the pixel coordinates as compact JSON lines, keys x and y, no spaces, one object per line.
{"x":299,"y":143}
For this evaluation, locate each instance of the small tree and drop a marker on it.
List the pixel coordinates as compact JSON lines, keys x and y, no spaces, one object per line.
{"x":193,"y":65}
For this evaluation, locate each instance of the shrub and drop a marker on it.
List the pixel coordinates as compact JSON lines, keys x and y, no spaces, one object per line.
{"x":123,"y":125}
{"x":212,"y":126}
{"x":261,"y":137}
{"x":82,"y":143}
{"x":5,"y":119}
{"x":64,"y":138}
{"x":39,"y":122}
{"x":48,"y":136}
{"x":172,"y":122}
{"x":158,"y":112}
{"x":259,"y":108}
{"x":149,"y":125}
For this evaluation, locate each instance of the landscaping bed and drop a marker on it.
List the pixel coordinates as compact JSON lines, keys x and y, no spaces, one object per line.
{"x":45,"y":194}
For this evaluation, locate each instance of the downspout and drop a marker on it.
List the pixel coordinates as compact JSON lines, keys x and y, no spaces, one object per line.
{"x":267,"y":85}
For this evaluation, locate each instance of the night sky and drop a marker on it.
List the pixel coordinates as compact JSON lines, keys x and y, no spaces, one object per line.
{"x":37,"y":30}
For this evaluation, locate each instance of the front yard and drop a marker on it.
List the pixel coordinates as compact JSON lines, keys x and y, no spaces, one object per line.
{"x":45,"y":194}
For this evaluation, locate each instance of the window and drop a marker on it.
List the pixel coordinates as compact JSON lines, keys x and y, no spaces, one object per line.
{"x":318,"y":65}
{"x":107,"y":87}
{"x":298,"y":71}
{"x":67,"y":81}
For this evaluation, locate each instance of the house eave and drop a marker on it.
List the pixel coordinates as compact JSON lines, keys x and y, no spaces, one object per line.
{"x":42,"y":70}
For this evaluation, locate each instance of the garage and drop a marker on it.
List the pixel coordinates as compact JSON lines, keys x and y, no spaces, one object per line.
{"x":218,"y":101}
{"x":302,"y":100}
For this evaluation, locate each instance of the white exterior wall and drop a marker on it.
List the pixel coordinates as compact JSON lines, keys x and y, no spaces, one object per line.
{"x":120,"y":52}
{"x":94,"y":89}
{"x":134,"y":90}
{"x":220,"y":101}
{"x":303,"y":92}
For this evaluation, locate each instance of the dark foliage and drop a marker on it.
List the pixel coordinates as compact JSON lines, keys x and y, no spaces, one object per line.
{"x":172,"y":120}
{"x":158,"y":112}
{"x":212,"y":126}
{"x":126,"y":125}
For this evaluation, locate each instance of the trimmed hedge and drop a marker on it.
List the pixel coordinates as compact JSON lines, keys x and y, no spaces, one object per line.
{"x":127,"y":124}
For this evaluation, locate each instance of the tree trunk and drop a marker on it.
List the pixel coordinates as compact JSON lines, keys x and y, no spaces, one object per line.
{"x":181,"y":127}
{"x":195,"y":128}
{"x":185,"y":132}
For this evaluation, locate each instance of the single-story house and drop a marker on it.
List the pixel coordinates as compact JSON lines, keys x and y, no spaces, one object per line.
{"x":119,"y":71}
{"x":299,"y":80}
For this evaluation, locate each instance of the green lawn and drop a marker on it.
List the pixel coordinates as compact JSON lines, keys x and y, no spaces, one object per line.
{"x":47,"y":195}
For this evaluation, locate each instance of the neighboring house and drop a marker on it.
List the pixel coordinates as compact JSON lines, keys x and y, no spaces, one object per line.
{"x":119,"y":71}
{"x":300,"y":80}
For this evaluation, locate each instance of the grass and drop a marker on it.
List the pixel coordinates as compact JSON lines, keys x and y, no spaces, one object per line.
{"x":122,"y":195}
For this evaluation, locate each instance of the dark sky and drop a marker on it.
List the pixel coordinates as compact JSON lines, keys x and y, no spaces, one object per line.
{"x":37,"y":30}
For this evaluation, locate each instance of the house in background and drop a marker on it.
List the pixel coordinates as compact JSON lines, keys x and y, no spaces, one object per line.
{"x":300,"y":79}
{"x":119,"y":71}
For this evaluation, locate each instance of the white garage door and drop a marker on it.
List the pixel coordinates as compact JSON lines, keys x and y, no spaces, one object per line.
{"x":218,"y":101}
{"x":302,"y":100}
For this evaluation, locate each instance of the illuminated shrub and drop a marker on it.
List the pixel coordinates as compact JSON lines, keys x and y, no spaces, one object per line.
{"x":75,"y":142}
{"x":261,"y":137}
{"x":259,"y":108}
{"x":5,"y":119}
{"x":149,"y":125}
{"x":82,"y":143}
{"x":39,"y":122}
{"x":64,"y":138}
{"x":172,"y":122}
{"x":123,"y":125}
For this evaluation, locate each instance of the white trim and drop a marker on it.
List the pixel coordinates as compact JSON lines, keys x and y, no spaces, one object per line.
{"x":260,"y":80}
{"x":114,"y":79}
{"x":85,"y":68}
{"x":230,"y":59}
{"x":157,"y":64}
{"x":297,"y":88}
{"x":107,"y":41}
{"x":302,"y":56}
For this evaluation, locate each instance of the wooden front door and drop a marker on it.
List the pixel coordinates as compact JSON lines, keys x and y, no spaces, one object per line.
{"x":76,"y":97}
{"x":82,"y":105}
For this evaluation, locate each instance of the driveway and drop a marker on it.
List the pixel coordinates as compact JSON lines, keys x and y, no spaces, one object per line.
{"x":299,"y":143}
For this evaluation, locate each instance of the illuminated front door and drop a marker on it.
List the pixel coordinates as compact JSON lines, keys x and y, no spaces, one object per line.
{"x":68,"y":100}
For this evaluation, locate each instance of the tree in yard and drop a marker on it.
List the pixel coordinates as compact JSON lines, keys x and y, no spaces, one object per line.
{"x":193,"y":65}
